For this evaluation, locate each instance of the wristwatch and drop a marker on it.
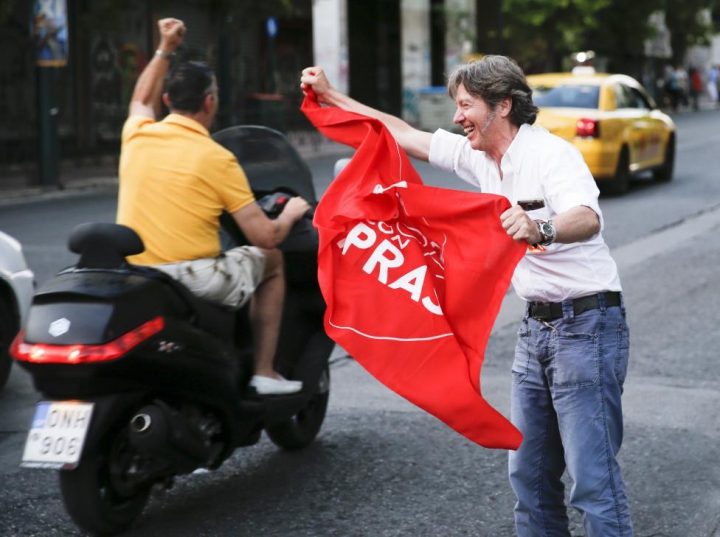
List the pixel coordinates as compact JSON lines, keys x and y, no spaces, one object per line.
{"x":165,"y":55}
{"x":547,"y":232}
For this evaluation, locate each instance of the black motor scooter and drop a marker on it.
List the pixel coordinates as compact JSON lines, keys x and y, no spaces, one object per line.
{"x":142,"y":381}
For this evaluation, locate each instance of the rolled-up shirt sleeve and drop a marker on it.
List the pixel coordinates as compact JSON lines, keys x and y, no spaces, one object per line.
{"x":452,"y":153}
{"x":570,"y":184}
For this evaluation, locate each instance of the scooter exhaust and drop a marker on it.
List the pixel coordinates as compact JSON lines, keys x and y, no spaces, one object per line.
{"x":140,"y":423}
{"x":163,"y":433}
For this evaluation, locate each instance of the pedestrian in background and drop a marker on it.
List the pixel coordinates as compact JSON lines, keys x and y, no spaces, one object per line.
{"x":681,"y":77}
{"x":572,"y":352}
{"x":672,"y":87}
{"x":712,"y":83}
{"x":696,"y":87}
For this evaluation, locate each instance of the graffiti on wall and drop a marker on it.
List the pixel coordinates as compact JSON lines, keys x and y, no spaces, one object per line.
{"x":115,"y":70}
{"x":131,"y":62}
{"x":107,"y":114}
{"x":116,"y":61}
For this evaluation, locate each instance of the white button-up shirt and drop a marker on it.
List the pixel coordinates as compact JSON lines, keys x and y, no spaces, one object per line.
{"x":539,"y":165}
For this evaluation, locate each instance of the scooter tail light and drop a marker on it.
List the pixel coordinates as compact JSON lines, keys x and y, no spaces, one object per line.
{"x":43,"y":353}
{"x":587,"y":128}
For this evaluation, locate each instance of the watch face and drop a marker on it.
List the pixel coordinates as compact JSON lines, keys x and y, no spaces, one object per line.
{"x":548,"y":232}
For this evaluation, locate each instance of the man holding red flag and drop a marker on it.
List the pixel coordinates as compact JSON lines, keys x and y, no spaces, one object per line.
{"x":412,"y":276}
{"x":572,"y":351}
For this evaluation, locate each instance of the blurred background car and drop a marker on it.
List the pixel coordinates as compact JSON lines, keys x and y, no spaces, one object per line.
{"x":17,"y":284}
{"x":612,"y":120}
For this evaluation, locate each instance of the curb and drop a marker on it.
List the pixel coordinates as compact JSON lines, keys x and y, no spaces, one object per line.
{"x":70,"y":189}
{"x":309,"y":152}
{"x":705,"y":105}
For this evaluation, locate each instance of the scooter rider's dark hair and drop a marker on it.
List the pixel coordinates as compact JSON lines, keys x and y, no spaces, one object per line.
{"x":494,"y":78}
{"x":187,"y":86}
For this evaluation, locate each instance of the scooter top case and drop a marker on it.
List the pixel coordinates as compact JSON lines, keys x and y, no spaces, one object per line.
{"x":126,"y":328}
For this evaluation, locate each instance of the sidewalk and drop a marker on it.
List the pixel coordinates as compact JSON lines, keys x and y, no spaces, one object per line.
{"x":704,"y":105}
{"x":310,"y":146}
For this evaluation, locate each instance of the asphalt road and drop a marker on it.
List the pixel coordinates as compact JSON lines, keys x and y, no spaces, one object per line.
{"x":381,"y":467}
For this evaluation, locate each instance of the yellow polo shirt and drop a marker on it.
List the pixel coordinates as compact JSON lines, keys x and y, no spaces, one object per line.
{"x":174,"y":182}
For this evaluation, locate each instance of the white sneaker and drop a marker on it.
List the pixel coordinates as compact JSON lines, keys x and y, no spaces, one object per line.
{"x":271,"y":386}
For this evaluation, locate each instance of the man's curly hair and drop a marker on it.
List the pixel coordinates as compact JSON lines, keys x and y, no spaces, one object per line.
{"x":494,"y":78}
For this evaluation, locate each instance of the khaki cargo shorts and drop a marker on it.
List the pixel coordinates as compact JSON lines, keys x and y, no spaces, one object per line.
{"x":229,"y":279}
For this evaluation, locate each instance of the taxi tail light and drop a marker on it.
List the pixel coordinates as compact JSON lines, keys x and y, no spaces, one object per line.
{"x":43,"y":353}
{"x":588,"y":128}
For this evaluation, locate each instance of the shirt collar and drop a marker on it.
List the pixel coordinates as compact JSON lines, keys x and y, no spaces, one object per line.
{"x":184,"y":121}
{"x":516,"y":146}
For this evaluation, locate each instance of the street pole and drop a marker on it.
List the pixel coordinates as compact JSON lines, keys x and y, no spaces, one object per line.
{"x":272,"y":28}
{"x":224,"y":76}
{"x":48,"y":143}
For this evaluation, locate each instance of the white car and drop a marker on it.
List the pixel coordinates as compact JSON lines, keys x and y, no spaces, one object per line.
{"x":17,"y":285}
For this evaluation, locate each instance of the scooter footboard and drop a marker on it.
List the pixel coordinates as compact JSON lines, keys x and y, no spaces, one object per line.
{"x":314,"y":361}
{"x":308,"y":369}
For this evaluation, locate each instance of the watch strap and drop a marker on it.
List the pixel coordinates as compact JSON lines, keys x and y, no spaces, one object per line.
{"x":165,"y":55}
{"x":546,"y":238}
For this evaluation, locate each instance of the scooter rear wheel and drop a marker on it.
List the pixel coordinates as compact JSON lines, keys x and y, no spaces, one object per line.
{"x":97,"y":494}
{"x":299,"y":431}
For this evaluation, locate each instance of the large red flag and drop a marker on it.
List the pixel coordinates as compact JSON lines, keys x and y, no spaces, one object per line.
{"x":413,"y":276}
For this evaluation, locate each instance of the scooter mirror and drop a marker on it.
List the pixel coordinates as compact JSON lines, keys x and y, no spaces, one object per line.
{"x":340,"y":166}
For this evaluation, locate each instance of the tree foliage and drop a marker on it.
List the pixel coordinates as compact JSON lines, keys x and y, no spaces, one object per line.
{"x":539,"y":33}
{"x":620,"y":35}
{"x":687,"y":24}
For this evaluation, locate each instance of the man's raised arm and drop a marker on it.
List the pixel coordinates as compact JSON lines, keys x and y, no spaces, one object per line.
{"x":416,"y":143}
{"x":149,"y":85}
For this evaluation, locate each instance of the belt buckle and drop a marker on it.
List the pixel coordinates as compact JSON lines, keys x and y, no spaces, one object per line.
{"x":540,"y":310}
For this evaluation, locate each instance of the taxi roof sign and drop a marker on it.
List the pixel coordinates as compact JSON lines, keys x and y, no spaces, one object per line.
{"x":583,"y":70}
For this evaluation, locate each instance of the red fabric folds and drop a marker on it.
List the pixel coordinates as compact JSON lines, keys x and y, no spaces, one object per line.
{"x":413,"y":276}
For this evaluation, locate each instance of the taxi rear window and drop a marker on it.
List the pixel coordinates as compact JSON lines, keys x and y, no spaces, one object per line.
{"x":566,"y":96}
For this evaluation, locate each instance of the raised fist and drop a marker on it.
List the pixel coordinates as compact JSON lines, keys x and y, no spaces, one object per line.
{"x":172,"y":33}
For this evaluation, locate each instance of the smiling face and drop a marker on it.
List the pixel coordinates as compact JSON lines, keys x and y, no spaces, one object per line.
{"x":476,"y":118}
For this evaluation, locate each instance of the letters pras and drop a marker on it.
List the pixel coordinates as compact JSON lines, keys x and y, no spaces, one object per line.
{"x":388,"y":241}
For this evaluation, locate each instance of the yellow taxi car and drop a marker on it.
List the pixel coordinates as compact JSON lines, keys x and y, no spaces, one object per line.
{"x":612,"y":120}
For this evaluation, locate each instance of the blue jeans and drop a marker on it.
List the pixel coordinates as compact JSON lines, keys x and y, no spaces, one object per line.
{"x":568,"y":381}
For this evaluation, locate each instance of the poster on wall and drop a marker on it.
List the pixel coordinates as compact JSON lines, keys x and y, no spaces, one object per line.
{"x":49,"y":30}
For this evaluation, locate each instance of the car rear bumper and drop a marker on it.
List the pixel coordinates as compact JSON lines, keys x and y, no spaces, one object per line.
{"x":600,"y":157}
{"x":23,"y":284}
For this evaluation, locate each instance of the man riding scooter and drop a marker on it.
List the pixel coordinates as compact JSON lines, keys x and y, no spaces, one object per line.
{"x":175,"y":181}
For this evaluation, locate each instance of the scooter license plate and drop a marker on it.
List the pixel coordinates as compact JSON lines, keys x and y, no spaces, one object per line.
{"x":57,"y":435}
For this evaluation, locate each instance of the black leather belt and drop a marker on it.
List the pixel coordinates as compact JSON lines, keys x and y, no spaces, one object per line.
{"x":548,"y":311}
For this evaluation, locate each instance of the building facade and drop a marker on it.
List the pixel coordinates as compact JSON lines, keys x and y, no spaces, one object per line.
{"x":382,"y":52}
{"x":85,"y":100}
